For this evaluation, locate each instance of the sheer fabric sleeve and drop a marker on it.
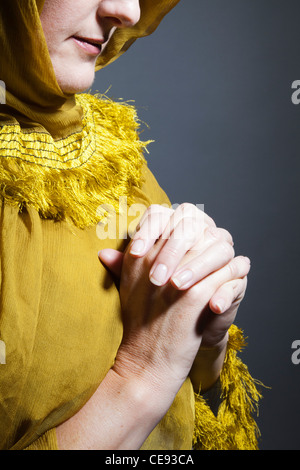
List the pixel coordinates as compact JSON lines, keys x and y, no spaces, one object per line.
{"x":46,"y":442}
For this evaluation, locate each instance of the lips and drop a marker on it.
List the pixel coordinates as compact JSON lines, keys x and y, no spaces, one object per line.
{"x":89,"y":45}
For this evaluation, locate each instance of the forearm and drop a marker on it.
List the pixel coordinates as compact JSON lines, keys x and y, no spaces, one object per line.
{"x":207,"y":366}
{"x":120,"y":415}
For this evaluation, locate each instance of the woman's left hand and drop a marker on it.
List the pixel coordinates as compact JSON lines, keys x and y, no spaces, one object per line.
{"x":194,"y":248}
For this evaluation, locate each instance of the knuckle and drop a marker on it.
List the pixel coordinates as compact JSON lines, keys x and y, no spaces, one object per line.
{"x":187,"y":209}
{"x":213,"y":232}
{"x":240,"y":289}
{"x":232,"y":269}
{"x":209,"y":221}
{"x":247,"y":266}
{"x":155,"y":221}
{"x":238,"y":267}
{"x":186,"y":230}
{"x":218,"y":233}
{"x":227,"y":235}
{"x":227,"y":250}
{"x":154,"y":208}
{"x":187,"y":206}
{"x":171,"y":250}
{"x":194,"y":218}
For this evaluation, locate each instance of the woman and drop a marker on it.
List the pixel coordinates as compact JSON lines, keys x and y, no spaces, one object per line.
{"x":105,"y":355}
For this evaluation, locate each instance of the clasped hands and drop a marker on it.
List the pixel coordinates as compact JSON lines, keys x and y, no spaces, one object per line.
{"x":180,"y":288}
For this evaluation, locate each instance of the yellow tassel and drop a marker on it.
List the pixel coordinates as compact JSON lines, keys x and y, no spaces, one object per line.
{"x":69,"y":179}
{"x":234,"y":427}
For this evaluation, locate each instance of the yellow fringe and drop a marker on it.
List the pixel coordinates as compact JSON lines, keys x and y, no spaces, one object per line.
{"x":234,"y":427}
{"x":69,"y":179}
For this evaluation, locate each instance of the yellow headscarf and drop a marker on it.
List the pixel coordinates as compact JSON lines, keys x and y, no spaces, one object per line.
{"x":34,"y":97}
{"x":58,"y":150}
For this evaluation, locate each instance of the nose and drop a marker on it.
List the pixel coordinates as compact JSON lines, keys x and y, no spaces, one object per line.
{"x":120,"y":13}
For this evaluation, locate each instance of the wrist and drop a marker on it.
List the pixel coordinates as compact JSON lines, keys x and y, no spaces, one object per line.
{"x":119,"y":416}
{"x":146,"y":388}
{"x":208,"y":365}
{"x":140,"y":395}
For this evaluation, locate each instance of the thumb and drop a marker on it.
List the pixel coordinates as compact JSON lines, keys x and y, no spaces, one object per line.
{"x":112,"y":259}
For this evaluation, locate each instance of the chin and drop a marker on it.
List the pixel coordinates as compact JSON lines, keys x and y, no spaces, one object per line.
{"x":76,"y":81}
{"x":73,"y":87}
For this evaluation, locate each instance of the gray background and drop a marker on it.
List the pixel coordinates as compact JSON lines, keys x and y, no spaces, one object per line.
{"x":214,"y":85}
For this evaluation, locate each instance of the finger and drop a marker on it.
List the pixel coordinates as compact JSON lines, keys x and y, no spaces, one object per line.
{"x":159,"y":221}
{"x":184,"y":230}
{"x":189,"y":239}
{"x":212,"y":235}
{"x":154,"y":209}
{"x":191,"y":271}
{"x":186,"y":212}
{"x":237,"y":268}
{"x":174,"y":249}
{"x":213,"y":258}
{"x":227,"y":295}
{"x":112,"y":259}
{"x":150,"y":228}
{"x":216,"y":233}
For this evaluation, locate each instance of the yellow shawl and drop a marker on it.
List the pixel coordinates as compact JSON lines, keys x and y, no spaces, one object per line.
{"x":61,"y":157}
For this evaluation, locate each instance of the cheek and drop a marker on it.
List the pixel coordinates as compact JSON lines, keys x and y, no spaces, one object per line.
{"x":74,"y":71}
{"x":55,"y":26}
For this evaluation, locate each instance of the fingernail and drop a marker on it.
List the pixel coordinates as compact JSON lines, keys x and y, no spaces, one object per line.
{"x":182,"y":278}
{"x":220,"y":304}
{"x":137,"y":247}
{"x":159,"y":275}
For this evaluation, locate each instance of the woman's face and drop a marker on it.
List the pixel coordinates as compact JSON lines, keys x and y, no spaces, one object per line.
{"x":76,"y":32}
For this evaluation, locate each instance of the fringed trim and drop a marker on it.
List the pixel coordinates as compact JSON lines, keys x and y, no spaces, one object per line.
{"x":70,"y":178}
{"x":234,"y":427}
